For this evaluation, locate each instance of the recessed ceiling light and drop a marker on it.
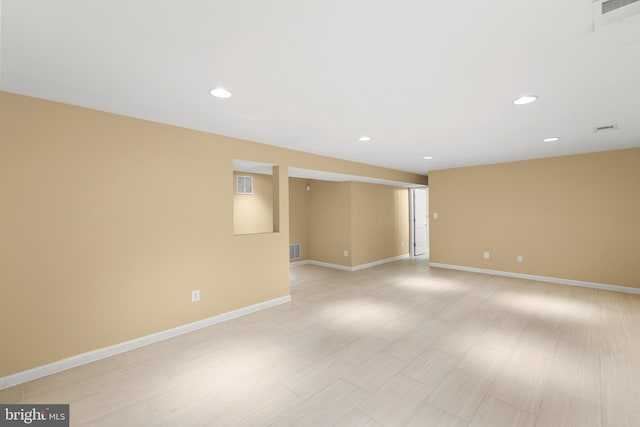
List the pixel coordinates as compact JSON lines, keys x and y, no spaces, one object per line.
{"x":527,"y":99}
{"x":428,"y":157}
{"x":220,"y":92}
{"x":364,"y":138}
{"x":554,"y":139}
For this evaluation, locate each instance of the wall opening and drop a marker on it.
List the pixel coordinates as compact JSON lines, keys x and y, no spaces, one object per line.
{"x":255,"y":197}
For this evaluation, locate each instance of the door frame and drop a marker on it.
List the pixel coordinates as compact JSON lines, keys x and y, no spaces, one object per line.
{"x":412,"y":222}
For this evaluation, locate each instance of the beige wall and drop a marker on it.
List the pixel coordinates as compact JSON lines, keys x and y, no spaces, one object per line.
{"x":573,"y":217}
{"x":109,"y":222}
{"x":380,"y":222}
{"x":330,"y":222}
{"x":253,"y":213}
{"x":299,"y":216}
{"x":369,"y":221}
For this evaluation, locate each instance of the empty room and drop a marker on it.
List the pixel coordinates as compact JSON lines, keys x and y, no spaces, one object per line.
{"x":320,"y":213}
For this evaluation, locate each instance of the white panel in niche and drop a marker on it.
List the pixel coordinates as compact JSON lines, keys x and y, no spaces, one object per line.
{"x":244,"y":184}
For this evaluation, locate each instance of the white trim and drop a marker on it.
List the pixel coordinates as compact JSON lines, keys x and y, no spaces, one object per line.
{"x":92,"y":356}
{"x":380,"y":262}
{"x":347,"y":268}
{"x":412,"y":222}
{"x":556,"y":280}
{"x":298,"y":263}
{"x":326,"y":264}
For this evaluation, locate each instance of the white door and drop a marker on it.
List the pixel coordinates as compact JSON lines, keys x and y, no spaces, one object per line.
{"x":420,"y":221}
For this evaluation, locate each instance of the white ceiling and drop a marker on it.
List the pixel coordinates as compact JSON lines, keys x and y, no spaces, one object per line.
{"x":421,"y":78}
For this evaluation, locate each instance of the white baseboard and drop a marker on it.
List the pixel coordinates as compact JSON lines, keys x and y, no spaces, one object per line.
{"x":556,"y":280}
{"x":347,"y":268}
{"x":329,"y":265}
{"x":299,"y":263}
{"x":380,"y":262}
{"x":92,"y":356}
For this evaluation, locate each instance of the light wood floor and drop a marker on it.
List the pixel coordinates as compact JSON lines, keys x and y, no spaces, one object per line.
{"x":396,"y":345}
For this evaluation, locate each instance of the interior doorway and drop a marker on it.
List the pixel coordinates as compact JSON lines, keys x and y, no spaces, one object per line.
{"x":419,"y":221}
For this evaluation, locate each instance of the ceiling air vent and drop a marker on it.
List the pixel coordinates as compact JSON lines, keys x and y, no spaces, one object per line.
{"x":606,"y":128}
{"x":606,"y":12}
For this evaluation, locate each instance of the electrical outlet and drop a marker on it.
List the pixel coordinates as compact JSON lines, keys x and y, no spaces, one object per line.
{"x":402,"y":244}
{"x":486,"y":255}
{"x":346,"y":252}
{"x":519,"y":258}
{"x":435,"y":215}
{"x":195,"y":296}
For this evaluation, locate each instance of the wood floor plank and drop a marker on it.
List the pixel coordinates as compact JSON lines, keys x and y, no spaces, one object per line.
{"x":395,"y":402}
{"x":460,"y":393}
{"x":496,"y":413}
{"x":397,"y":344}
{"x":620,"y":407}
{"x":562,"y":409}
{"x":429,"y":415}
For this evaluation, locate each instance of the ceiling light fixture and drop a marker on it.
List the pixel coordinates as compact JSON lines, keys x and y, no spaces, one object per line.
{"x":527,"y":99}
{"x":553,"y":139}
{"x":428,"y":157}
{"x":220,"y":92}
{"x":364,"y":138}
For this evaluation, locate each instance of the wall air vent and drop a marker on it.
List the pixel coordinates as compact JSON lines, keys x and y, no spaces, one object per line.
{"x":606,"y":12}
{"x":294,"y":251}
{"x":244,"y":184}
{"x":606,"y":128}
